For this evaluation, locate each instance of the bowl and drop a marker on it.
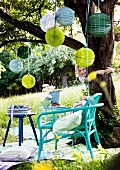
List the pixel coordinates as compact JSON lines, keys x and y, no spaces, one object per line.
{"x":45,"y":103}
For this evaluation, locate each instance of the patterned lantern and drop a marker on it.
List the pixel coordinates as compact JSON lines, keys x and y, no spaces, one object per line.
{"x":47,"y":21}
{"x":23,"y":52}
{"x":16,"y":65}
{"x":99,"y":24}
{"x":84,"y":57}
{"x":65,"y":16}
{"x":28,"y":81}
{"x":54,"y":37}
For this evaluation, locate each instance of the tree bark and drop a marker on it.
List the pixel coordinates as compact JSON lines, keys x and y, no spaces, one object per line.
{"x":64,"y":78}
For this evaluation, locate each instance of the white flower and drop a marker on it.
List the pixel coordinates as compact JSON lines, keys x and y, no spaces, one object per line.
{"x":47,"y":88}
{"x":45,"y":85}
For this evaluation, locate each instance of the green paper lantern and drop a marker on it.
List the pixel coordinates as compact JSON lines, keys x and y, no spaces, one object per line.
{"x":23,"y":52}
{"x":84,"y":57}
{"x":99,"y":24}
{"x":28,"y":81}
{"x":54,"y":37}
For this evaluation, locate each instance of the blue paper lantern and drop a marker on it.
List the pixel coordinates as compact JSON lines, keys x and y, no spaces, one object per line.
{"x":99,"y":24}
{"x":16,"y":65}
{"x":65,"y":16}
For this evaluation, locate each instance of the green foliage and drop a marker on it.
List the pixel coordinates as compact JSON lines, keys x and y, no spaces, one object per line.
{"x":22,"y":166}
{"x":116,"y":59}
{"x":117,"y":30}
{"x":46,"y":66}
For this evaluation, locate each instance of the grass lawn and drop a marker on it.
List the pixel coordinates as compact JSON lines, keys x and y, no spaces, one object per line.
{"x":68,"y":97}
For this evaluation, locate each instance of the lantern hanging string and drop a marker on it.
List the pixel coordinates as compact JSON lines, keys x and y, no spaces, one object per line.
{"x":86,"y":38}
{"x":98,"y":5}
{"x":55,"y":7}
{"x":28,"y":66}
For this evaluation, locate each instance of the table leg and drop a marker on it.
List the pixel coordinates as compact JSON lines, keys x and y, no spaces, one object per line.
{"x":33,"y":128}
{"x":7,"y":130}
{"x":20,"y":133}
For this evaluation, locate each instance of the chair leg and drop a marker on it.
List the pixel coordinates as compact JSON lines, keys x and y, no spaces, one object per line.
{"x":89,"y":147}
{"x":96,"y":134}
{"x":39,"y":150}
{"x":40,"y":147}
{"x":97,"y":137}
{"x":72,"y":141}
{"x":56,"y":141}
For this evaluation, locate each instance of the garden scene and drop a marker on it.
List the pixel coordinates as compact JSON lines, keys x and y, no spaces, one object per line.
{"x":59,"y":85}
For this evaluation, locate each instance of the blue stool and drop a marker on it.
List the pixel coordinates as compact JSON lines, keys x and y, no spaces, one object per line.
{"x":20,"y":116}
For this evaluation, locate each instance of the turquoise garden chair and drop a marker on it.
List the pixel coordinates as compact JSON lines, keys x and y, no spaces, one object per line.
{"x":84,"y":128}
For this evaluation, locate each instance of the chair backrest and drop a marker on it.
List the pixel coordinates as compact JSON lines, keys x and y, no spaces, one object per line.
{"x":91,"y":112}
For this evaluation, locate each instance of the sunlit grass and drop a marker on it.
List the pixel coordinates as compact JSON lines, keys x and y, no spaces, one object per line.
{"x":68,"y":97}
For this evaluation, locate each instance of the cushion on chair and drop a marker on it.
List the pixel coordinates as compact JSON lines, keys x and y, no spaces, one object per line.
{"x":16,"y":154}
{"x":68,"y":122}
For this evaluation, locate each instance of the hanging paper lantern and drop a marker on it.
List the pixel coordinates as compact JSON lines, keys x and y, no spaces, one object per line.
{"x":99,"y":24}
{"x":65,"y":16}
{"x":23,"y":52}
{"x":47,"y":21}
{"x":54,"y":37}
{"x":84,"y":57}
{"x":16,"y":65}
{"x":28,"y":81}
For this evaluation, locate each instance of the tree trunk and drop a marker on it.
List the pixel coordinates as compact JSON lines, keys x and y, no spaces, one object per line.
{"x":64,"y":78}
{"x":103,"y":48}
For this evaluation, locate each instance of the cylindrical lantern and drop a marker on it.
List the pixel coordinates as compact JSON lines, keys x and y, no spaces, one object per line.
{"x":54,"y":37}
{"x":99,"y":24}
{"x":16,"y":65}
{"x":65,"y":16}
{"x":23,"y":52}
{"x":47,"y":21}
{"x":28,"y":81}
{"x":84,"y":57}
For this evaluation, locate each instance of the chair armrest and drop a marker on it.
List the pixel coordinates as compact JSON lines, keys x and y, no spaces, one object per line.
{"x":59,"y":111}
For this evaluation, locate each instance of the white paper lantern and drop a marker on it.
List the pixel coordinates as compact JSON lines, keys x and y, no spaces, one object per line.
{"x":47,"y":21}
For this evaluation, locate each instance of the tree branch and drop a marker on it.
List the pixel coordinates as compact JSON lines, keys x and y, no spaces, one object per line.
{"x":36,"y":30}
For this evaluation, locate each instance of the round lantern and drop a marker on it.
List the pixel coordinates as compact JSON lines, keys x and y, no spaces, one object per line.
{"x":84,"y":57}
{"x":23,"y":52}
{"x":47,"y":21}
{"x":28,"y":81}
{"x":54,"y":37}
{"x":99,"y":24}
{"x":65,"y":16}
{"x":16,"y":65}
